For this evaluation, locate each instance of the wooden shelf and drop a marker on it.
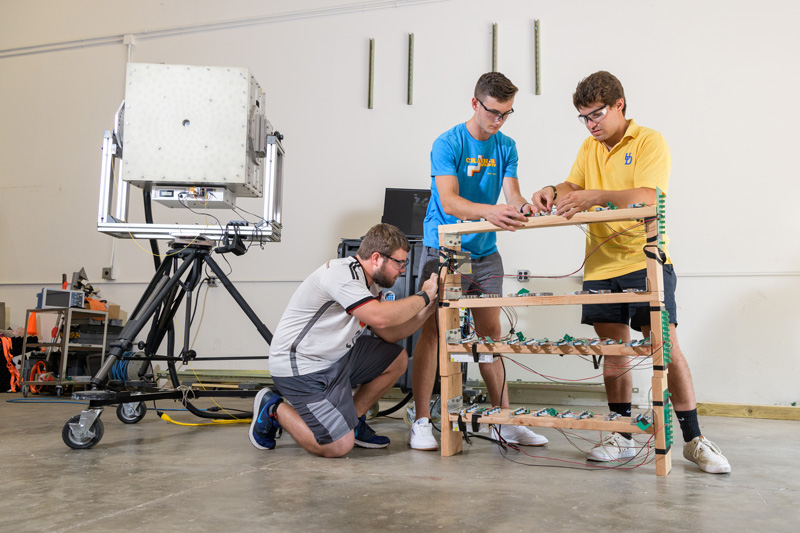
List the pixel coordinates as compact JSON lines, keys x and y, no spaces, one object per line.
{"x":563,"y":299}
{"x":597,"y":423}
{"x":448,"y":320}
{"x":597,"y":349}
{"x":551,"y":221}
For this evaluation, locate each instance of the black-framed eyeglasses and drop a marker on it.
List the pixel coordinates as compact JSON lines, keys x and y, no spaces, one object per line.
{"x":498,"y":116}
{"x":400,"y":264}
{"x":595,"y":116}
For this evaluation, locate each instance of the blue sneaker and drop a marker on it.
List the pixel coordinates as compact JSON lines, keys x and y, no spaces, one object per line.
{"x":264,"y":428}
{"x":366,"y":437}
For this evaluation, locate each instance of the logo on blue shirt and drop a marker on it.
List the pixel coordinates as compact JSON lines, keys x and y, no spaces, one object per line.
{"x":628,"y":158}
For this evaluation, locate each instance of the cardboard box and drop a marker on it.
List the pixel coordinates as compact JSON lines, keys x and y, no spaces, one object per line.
{"x":116,"y":313}
{"x":113,"y":311}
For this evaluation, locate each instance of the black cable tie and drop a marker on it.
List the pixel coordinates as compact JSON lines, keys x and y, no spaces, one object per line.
{"x":659,"y":367}
{"x":658,"y":404}
{"x":596,"y":361}
{"x":652,"y":238}
{"x":656,"y":308}
{"x":475,"y":355}
{"x":663,"y":452}
{"x":661,"y":257}
{"x":443,"y":249}
{"x":462,"y":427}
{"x":475,"y":425}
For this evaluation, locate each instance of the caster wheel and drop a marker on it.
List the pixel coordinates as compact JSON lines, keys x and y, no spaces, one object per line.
{"x":59,"y":391}
{"x":77,"y":441}
{"x":25,"y":390}
{"x":130,"y":413}
{"x":373,"y":411}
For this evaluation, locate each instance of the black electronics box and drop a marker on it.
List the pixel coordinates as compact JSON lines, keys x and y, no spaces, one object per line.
{"x":406,"y":209}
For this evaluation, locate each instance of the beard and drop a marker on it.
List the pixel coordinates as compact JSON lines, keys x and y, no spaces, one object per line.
{"x":383,"y":279}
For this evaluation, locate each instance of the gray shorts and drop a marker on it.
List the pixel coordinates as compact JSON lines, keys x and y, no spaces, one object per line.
{"x":324,"y":399}
{"x":486,"y":277}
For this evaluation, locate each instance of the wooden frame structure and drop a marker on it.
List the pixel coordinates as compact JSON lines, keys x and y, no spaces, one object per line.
{"x":448,"y":317}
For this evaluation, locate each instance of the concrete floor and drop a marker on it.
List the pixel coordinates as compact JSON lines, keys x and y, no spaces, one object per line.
{"x":159,"y":476}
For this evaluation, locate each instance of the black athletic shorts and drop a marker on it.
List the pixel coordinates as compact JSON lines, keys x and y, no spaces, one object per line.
{"x":635,"y":314}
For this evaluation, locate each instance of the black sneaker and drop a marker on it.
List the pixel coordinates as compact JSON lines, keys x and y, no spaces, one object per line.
{"x":366,"y":437}
{"x":264,"y":428}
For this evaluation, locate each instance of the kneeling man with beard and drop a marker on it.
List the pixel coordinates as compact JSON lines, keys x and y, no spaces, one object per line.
{"x":319,"y":353}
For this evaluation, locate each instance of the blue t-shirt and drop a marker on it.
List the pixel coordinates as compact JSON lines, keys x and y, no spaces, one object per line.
{"x":480,"y":167}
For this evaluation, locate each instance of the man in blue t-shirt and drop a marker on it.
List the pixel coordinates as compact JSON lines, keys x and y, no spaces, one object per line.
{"x":470,"y":165}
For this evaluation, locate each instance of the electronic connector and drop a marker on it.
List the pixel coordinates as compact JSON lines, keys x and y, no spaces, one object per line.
{"x":642,"y":421}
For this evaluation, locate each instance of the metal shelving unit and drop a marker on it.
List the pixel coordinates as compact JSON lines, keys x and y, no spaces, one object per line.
{"x":66,"y":315}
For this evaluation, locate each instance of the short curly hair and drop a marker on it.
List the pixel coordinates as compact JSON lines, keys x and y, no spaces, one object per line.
{"x":496,"y":85}
{"x":601,"y":86}
{"x":384,"y":239}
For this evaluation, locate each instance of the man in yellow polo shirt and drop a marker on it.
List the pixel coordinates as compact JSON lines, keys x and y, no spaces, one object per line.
{"x":623,"y":163}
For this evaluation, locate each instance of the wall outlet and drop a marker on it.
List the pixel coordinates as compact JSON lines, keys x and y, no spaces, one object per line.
{"x":523,"y":275}
{"x":108,"y":273}
{"x":212,"y":282}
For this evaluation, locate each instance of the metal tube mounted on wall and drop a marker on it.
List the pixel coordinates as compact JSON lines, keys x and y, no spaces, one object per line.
{"x":410,"y":99}
{"x":371,"y":72}
{"x":537,"y":57}
{"x":494,"y":47}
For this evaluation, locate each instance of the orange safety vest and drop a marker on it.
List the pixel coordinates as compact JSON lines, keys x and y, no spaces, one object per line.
{"x":12,"y":368}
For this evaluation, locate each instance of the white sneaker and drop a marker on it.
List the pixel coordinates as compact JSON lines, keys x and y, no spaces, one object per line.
{"x":614,"y":447}
{"x":706,"y":455}
{"x":421,"y":436}
{"x":518,"y":435}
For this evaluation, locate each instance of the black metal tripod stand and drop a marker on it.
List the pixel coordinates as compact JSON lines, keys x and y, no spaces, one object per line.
{"x":176,"y":278}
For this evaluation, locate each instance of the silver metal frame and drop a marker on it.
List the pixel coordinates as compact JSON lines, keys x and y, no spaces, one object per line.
{"x":117,"y":224}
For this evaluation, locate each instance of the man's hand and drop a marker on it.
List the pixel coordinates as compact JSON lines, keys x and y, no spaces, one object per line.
{"x":542,"y":200}
{"x":505,"y":216}
{"x":431,"y":288}
{"x":576,"y":201}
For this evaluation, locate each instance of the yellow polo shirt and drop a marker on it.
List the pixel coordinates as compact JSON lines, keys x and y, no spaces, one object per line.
{"x":640,"y":159}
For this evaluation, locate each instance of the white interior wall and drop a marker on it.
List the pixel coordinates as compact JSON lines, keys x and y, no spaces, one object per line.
{"x":713,"y":77}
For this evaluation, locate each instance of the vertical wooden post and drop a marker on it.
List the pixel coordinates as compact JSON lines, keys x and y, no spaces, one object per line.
{"x":655,"y":282}
{"x":449,"y":372}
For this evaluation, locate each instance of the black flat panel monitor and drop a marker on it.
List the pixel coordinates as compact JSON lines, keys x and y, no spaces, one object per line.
{"x":406,"y":208}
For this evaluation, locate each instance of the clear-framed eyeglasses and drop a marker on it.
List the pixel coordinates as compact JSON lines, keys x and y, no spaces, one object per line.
{"x":595,"y":116}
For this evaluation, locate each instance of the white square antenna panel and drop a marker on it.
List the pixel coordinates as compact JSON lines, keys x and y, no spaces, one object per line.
{"x":188,"y":125}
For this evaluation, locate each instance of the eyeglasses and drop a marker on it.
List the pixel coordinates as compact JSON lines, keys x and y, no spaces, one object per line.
{"x":595,"y":116}
{"x":400,"y":264}
{"x":498,"y":116}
